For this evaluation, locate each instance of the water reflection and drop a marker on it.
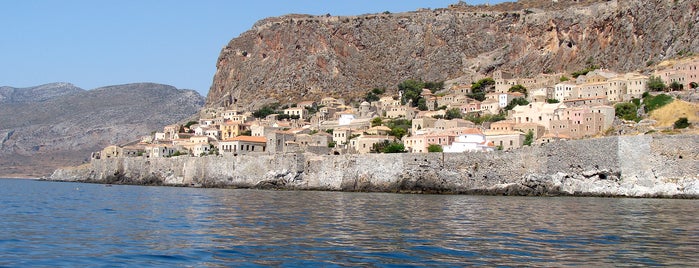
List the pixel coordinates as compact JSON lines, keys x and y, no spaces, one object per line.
{"x":121,"y":225}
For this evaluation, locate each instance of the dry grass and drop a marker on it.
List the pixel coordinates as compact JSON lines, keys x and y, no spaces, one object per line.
{"x":668,"y":114}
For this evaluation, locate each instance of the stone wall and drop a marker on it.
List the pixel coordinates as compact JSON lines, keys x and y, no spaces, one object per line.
{"x":640,"y":166}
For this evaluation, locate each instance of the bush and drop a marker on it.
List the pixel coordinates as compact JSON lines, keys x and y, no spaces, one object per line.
{"x":518,"y":88}
{"x":516,"y":102}
{"x":453,"y":113}
{"x":682,"y":123}
{"x":529,"y":138}
{"x":655,"y":83}
{"x":564,"y":78}
{"x":394,"y":147}
{"x":552,"y":101}
{"x":435,"y":148}
{"x":626,"y":111}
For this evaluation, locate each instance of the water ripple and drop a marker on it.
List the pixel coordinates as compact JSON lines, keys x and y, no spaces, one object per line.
{"x":65,"y":224}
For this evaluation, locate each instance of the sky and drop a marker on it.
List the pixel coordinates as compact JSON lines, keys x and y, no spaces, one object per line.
{"x":107,"y":42}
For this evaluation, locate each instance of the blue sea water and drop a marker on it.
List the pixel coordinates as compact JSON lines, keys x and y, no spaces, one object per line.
{"x":72,"y":224}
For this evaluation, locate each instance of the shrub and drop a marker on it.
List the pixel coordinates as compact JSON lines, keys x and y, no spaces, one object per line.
{"x":552,"y":101}
{"x":435,"y":148}
{"x":529,"y":138}
{"x":515,"y":102}
{"x":655,"y":83}
{"x":682,"y":123}
{"x":626,"y":111}
{"x":518,"y":88}
{"x":452,"y":114}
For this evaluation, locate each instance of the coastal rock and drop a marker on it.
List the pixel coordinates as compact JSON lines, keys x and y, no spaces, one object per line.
{"x":610,"y":168}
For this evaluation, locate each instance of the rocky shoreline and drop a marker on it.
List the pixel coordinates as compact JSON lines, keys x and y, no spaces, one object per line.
{"x":626,"y":166}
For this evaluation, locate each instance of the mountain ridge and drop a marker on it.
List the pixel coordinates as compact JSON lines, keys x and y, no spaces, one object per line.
{"x":39,"y":136}
{"x":296,"y":57}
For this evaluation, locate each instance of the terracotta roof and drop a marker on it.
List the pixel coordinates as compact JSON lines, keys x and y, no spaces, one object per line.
{"x":249,"y":139}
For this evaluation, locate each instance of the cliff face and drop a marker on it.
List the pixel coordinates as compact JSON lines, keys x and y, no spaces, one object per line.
{"x":297,"y":57}
{"x":46,"y":127}
{"x":639,"y":166}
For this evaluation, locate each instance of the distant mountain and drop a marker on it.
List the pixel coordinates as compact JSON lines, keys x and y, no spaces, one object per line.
{"x":38,"y":93}
{"x":53,"y":125}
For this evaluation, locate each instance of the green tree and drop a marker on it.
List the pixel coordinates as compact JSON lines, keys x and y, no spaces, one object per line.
{"x":377,"y":121}
{"x":434,"y":86}
{"x":626,"y":111}
{"x":682,"y":122}
{"x":378,"y":91}
{"x":675,"y":86}
{"x":452,"y":114}
{"x":552,"y":101}
{"x":411,"y":91}
{"x":435,"y":148}
{"x":529,"y":138}
{"x":655,"y":83}
{"x":518,"y":88}
{"x":564,"y":78}
{"x":422,"y":104}
{"x":394,"y":147}
{"x":515,"y":102}
{"x":482,"y":85}
{"x":398,"y":132}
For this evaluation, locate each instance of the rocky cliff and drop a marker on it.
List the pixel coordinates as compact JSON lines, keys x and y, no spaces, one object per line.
{"x":297,"y":57}
{"x":636,"y":166}
{"x":49,"y":126}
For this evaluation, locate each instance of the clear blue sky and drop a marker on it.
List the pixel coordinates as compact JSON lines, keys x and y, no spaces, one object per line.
{"x":94,"y":43}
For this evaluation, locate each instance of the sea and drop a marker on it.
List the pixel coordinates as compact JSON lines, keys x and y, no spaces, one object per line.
{"x":61,"y":224}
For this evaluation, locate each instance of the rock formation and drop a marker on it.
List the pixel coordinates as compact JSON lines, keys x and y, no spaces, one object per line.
{"x":297,"y":57}
{"x":49,"y":126}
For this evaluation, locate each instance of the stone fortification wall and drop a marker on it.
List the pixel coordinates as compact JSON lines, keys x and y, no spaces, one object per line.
{"x":614,"y":166}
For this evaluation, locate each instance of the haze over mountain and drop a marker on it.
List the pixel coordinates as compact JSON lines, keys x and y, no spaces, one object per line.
{"x":299,"y":57}
{"x":59,"y":124}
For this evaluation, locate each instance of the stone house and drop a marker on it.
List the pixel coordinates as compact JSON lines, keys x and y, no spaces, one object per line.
{"x":564,"y":90}
{"x":159,"y":150}
{"x":378,"y":130}
{"x":537,"y":112}
{"x":242,"y":145}
{"x":170,"y":131}
{"x":593,"y":101}
{"x":277,"y":141}
{"x":364,"y":143}
{"x":536,"y":129}
{"x":505,"y":140}
{"x":422,"y":123}
{"x":684,"y":71}
{"x":490,"y":106}
{"x":301,"y":112}
{"x":472,"y":140}
{"x":111,"y":151}
{"x":229,"y":129}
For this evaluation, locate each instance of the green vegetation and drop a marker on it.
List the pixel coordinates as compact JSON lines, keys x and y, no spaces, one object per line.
{"x":480,"y":87}
{"x":399,"y":127}
{"x":693,"y":85}
{"x":564,"y":78}
{"x":651,"y":103}
{"x":655,"y":83}
{"x":422,"y":104}
{"x":453,"y":113}
{"x":413,"y":88}
{"x":675,"y":86}
{"x":682,"y":123}
{"x":515,"y":102}
{"x":246,"y":132}
{"x":376,"y":121}
{"x":480,"y":119}
{"x":190,"y":123}
{"x":331,"y":144}
{"x":584,"y":71}
{"x":518,"y":88}
{"x":552,"y":101}
{"x":529,"y":138}
{"x":374,"y":94}
{"x":627,"y":111}
{"x":266,"y":110}
{"x":435,"y":148}
{"x":282,"y":116}
{"x":394,"y":147}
